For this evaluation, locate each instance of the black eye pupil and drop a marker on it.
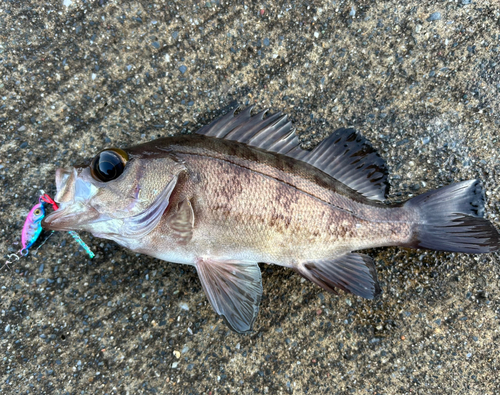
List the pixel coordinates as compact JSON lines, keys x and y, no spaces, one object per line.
{"x":107,"y":166}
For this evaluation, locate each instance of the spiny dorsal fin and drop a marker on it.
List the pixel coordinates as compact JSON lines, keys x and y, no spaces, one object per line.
{"x":274,"y":133}
{"x":345,"y":155}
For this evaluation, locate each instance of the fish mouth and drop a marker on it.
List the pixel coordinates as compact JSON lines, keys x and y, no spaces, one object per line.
{"x":73,"y":195}
{"x":73,"y":216}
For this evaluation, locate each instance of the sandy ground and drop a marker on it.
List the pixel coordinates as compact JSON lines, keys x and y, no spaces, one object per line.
{"x":419,"y":78}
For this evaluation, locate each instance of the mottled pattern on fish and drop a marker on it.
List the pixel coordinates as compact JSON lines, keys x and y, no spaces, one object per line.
{"x":242,"y":191}
{"x":261,"y":206}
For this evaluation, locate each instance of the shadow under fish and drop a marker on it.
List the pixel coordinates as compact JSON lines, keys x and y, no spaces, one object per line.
{"x":242,"y":191}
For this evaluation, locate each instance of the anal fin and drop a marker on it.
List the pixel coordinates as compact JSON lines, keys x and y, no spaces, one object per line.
{"x":353,"y":272}
{"x":234,"y":289}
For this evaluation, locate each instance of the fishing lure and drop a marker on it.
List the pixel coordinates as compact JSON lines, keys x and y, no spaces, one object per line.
{"x":32,"y":226}
{"x":32,"y":229}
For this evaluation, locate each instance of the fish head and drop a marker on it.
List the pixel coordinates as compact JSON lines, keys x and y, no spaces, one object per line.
{"x":116,"y":191}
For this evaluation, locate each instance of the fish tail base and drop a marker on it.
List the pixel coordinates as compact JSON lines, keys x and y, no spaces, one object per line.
{"x":450,"y":219}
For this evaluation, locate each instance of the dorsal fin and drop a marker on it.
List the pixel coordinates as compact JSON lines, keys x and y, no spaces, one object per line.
{"x":345,"y":155}
{"x":274,"y":133}
{"x":348,"y":157}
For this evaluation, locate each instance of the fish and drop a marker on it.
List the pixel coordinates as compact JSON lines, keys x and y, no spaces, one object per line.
{"x":241,"y":191}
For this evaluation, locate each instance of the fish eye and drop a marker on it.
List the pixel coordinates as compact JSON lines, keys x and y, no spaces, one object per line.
{"x":108,"y":164}
{"x":37,"y":212}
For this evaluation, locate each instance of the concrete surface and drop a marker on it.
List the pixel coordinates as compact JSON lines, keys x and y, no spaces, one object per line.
{"x":419,"y":78}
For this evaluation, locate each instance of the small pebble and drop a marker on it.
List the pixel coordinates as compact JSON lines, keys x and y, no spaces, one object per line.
{"x":435,"y":16}
{"x":177,"y":354}
{"x":183,"y":69}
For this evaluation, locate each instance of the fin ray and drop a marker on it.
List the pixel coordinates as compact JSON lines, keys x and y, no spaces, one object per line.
{"x":182,"y":220}
{"x":142,"y":224}
{"x":234,"y":289}
{"x":450,"y":220}
{"x":244,"y":127}
{"x":354,"y":273}
{"x":348,"y":157}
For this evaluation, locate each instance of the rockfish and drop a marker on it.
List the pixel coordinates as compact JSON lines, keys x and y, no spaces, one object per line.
{"x":242,"y":191}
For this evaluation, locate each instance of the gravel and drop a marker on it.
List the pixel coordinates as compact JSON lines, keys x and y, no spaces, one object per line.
{"x":419,"y":79}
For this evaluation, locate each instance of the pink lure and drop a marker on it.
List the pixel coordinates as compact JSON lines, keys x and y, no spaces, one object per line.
{"x":32,"y":227}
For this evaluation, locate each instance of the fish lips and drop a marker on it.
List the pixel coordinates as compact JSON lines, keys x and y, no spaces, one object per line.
{"x":73,"y":216}
{"x":73,"y":195}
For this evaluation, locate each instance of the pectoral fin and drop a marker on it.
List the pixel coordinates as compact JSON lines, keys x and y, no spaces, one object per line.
{"x":354,"y":273}
{"x":182,"y":220}
{"x":142,"y":224}
{"x":234,"y":288}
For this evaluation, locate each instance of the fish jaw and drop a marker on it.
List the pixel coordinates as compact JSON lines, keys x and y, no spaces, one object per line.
{"x":70,"y":216}
{"x":74,"y":194}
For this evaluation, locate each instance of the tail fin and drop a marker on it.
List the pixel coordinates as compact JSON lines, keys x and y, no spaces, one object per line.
{"x":450,"y":220}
